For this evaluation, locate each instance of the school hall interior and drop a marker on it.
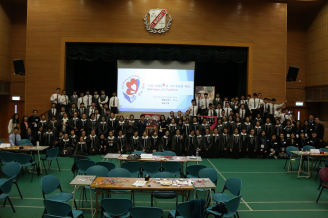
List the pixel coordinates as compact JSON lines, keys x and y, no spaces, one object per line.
{"x":240,"y":47}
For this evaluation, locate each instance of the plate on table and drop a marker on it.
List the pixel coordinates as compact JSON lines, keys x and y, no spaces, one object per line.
{"x":166,"y":182}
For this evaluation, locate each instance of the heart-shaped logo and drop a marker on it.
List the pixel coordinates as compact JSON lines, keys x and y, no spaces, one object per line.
{"x":133,"y":86}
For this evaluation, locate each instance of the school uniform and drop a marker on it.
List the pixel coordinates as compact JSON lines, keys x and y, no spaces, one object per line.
{"x":258,"y":120}
{"x":49,"y":139}
{"x":273,"y":148}
{"x":226,"y":126}
{"x":38,"y":137}
{"x":81,"y":100}
{"x":172,"y":129}
{"x":103,"y":99}
{"x":44,"y":125}
{"x":278,"y":130}
{"x":220,"y":129}
{"x":242,"y":114}
{"x":114,"y":104}
{"x":208,"y":146}
{"x":73,"y":140}
{"x":302,"y":143}
{"x":130,"y":128}
{"x":161,"y":130}
{"x":216,"y":101}
{"x":282,"y":148}
{"x":63,"y":128}
{"x":81,"y":149}
{"x":306,"y":130}
{"x":102,"y":129}
{"x":252,"y":146}
{"x":71,"y":112}
{"x":297,"y":130}
{"x":92,"y":125}
{"x":144,"y":142}
{"x":243,"y":141}
{"x":206,"y":102}
{"x":142,"y":125}
{"x":93,"y":144}
{"x":54,"y":127}
{"x":91,"y":110}
{"x":269,"y":129}
{"x":102,"y":146}
{"x":64,"y":101}
{"x":83,"y":126}
{"x":203,"y":127}
{"x":211,"y":112}
{"x":216,"y":146}
{"x":225,"y":144}
{"x":234,"y":106}
{"x":134,"y":143}
{"x":320,"y":130}
{"x":185,"y":130}
{"x":253,"y":104}
{"x":121,"y":127}
{"x":219,"y":112}
{"x":258,"y":130}
{"x":195,"y":126}
{"x":73,"y":124}
{"x":111,"y":142}
{"x":265,"y":110}
{"x":98,"y":117}
{"x":248,"y":127}
{"x":191,"y":145}
{"x":87,"y":100}
{"x":315,"y":142}
{"x":60,"y":116}
{"x":55,"y":98}
{"x":121,"y":144}
{"x":235,"y":145}
{"x":103,"y":112}
{"x":292,"y":142}
{"x":165,"y":144}
{"x":311,"y":128}
{"x":64,"y":148}
{"x":263,"y":146}
{"x":199,"y":105}
{"x":238,"y":126}
{"x":231,"y":127}
{"x":154,"y":144}
{"x":82,"y":111}
{"x":73,"y":100}
{"x":58,"y":139}
{"x":178,"y":144}
{"x":273,"y":108}
{"x":288,"y":131}
{"x":227,"y":111}
{"x":52,"y":113}
{"x":193,"y":111}
{"x":95,"y":99}
{"x":35,"y":120}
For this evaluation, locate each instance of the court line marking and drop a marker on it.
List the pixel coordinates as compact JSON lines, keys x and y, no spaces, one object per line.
{"x":225,"y":180}
{"x":254,"y":172}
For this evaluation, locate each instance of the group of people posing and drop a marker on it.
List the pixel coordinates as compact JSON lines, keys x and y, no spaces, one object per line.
{"x":249,"y":127}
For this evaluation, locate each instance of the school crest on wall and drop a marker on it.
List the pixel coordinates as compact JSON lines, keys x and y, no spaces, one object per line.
{"x":157,"y":21}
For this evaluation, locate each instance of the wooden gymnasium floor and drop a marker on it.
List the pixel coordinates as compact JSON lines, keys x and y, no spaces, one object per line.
{"x":267,"y":190}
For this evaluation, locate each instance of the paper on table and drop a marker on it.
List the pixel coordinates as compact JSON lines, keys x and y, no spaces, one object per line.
{"x":139,"y":183}
{"x":5,"y":145}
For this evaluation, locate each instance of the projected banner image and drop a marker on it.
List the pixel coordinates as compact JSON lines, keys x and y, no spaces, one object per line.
{"x":155,"y":90}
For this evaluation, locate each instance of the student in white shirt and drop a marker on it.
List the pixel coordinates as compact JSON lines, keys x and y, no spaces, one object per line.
{"x":227,"y":109}
{"x":253,"y":105}
{"x":80,"y":100}
{"x":103,"y":99}
{"x":219,"y":110}
{"x":73,"y":99}
{"x":64,"y":100}
{"x":273,"y":108}
{"x":199,"y":102}
{"x":193,"y":109}
{"x":205,"y":102}
{"x":114,"y":104}
{"x":55,"y":98}
{"x":87,"y":99}
{"x":217,"y":100}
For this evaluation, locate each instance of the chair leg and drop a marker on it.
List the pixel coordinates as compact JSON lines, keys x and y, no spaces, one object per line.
{"x":320,"y":184}
{"x":75,"y":204}
{"x":285,"y":163}
{"x":151,"y":200}
{"x":18,"y":190}
{"x":237,"y":214}
{"x":49,"y":164}
{"x":4,"y":203}
{"x":320,"y":194}
{"x":58,"y":164}
{"x":11,"y":205}
{"x":33,"y":173}
{"x":45,"y":169}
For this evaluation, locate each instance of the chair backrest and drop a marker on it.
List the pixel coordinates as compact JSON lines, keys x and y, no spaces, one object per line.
{"x":24,"y":142}
{"x":116,"y":206}
{"x":11,"y":169}
{"x":57,"y":208}
{"x":119,"y":172}
{"x":96,"y":170}
{"x":158,"y":153}
{"x":49,"y":184}
{"x":53,"y":216}
{"x":163,"y":175}
{"x":132,"y":166}
{"x":171,"y":166}
{"x":53,"y":152}
{"x":170,"y":153}
{"x":2,"y":142}
{"x":289,"y":149}
{"x":23,"y":158}
{"x":108,"y":165}
{"x":84,"y":164}
{"x":146,"y":212}
{"x":233,"y":204}
{"x":6,"y":186}
{"x":308,"y":148}
{"x":323,"y":149}
{"x":233,"y":185}
{"x":324,"y":174}
{"x":194,"y":169}
{"x":210,"y":173}
{"x":84,"y":158}
{"x":138,"y":152}
{"x":151,"y":166}
{"x":185,"y":209}
{"x":7,"y":156}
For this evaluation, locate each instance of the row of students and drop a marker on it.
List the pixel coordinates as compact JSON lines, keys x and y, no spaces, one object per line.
{"x":62,"y":100}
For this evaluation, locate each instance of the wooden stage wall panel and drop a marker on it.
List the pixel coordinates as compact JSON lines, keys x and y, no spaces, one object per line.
{"x":263,"y":26}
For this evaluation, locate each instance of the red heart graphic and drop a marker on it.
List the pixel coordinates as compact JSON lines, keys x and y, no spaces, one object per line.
{"x":132,"y":87}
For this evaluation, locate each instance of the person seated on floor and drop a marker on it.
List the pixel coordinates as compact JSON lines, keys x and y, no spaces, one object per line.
{"x":102,"y":144}
{"x":81,"y":147}
{"x":111,"y":142}
{"x":93,"y":143}
{"x":121,"y":143}
{"x":144,"y":142}
{"x":49,"y":138}
{"x":15,"y":137}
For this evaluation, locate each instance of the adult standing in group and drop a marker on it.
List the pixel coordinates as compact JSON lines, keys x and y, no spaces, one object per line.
{"x":114,"y":104}
{"x":14,"y":122}
{"x":55,"y":98}
{"x":24,"y":126}
{"x":142,"y":124}
{"x":34,"y":121}
{"x":319,"y":129}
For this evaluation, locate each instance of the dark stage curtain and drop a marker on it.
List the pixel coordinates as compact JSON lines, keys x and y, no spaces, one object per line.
{"x":93,"y":65}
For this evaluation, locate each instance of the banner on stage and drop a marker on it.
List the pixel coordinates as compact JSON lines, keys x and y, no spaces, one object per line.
{"x":210,"y":90}
{"x":152,"y":119}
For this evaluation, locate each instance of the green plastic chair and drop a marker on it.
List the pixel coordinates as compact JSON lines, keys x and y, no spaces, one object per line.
{"x":116,"y":207}
{"x":193,"y":170}
{"x":163,"y":194}
{"x":184,"y":210}
{"x":233,"y":185}
{"x":25,"y":142}
{"x":289,"y":150}
{"x":25,"y":160}
{"x":11,"y":170}
{"x":231,"y":205}
{"x":5,"y":190}
{"x":172,"y":167}
{"x":133,"y":167}
{"x":61,"y":209}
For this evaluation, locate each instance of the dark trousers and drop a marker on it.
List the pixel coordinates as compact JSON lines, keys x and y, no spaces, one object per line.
{"x":254,"y":113}
{"x":114,"y":110}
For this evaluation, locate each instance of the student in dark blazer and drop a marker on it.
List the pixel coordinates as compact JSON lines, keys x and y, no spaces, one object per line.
{"x":319,"y":129}
{"x":52,"y":111}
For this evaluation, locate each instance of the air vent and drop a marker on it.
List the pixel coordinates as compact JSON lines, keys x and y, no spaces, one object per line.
{"x":324,"y":94}
{"x":5,"y":88}
{"x":316,"y":95}
{"x":308,"y":95}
